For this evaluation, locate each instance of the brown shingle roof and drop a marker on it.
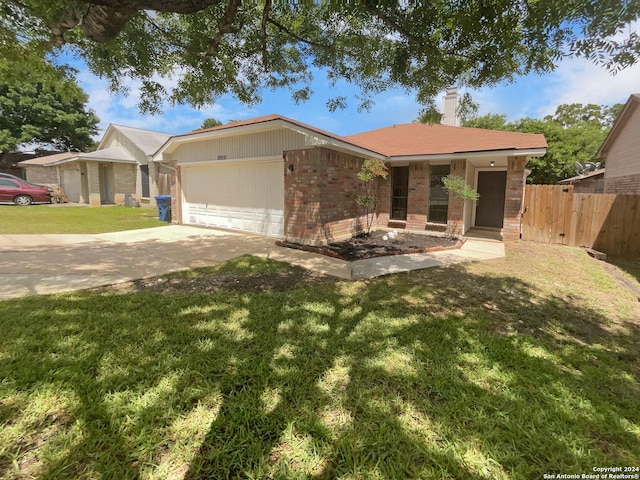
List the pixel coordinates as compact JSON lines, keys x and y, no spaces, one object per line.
{"x":433,"y":139}
{"x":414,"y":138}
{"x":239,"y":123}
{"x":43,"y":161}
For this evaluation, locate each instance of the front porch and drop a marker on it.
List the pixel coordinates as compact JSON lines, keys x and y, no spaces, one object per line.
{"x":413,"y":197}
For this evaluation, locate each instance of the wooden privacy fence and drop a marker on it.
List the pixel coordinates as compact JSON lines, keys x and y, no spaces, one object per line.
{"x":608,"y":223}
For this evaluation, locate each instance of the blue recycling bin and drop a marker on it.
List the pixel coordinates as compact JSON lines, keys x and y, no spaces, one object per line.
{"x":164,"y":207}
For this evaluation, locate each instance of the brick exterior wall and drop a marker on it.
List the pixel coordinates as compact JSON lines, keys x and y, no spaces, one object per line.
{"x":455,"y":213}
{"x":321,"y":191}
{"x":418,"y":201}
{"x":320,"y":196}
{"x":627,"y":185}
{"x":124,"y":181}
{"x":42,"y":175}
{"x":513,"y":198}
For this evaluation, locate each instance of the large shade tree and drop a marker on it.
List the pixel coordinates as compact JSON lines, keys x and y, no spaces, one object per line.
{"x":215,"y":47}
{"x":51,"y":114}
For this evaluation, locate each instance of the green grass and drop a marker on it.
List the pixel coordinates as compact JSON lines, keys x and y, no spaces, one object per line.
{"x":496,"y":370}
{"x":631,"y":267}
{"x":43,"y":219}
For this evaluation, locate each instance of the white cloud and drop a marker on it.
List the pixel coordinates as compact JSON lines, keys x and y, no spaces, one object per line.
{"x":396,"y":108}
{"x":123,"y":109}
{"x":575,"y":80}
{"x":579,"y":81}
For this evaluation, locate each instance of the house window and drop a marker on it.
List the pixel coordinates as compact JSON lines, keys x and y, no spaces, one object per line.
{"x":438,"y":196}
{"x":144,"y":173}
{"x":399,"y":192}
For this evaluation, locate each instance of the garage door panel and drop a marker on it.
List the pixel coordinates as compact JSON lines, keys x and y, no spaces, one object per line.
{"x":247,"y":197}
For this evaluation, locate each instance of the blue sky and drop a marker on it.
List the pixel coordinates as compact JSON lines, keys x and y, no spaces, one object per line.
{"x":574,"y":81}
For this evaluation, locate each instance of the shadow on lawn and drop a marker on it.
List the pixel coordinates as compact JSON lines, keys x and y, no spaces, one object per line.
{"x":630,"y":266}
{"x":438,"y":373}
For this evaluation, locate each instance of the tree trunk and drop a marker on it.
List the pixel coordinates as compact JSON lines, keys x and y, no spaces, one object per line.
{"x":103,"y":20}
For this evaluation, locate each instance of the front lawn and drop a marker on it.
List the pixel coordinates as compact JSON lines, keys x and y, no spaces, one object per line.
{"x":508,"y":369}
{"x":44,"y":219}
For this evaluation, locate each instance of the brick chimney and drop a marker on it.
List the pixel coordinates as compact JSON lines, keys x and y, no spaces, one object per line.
{"x":450,"y":103}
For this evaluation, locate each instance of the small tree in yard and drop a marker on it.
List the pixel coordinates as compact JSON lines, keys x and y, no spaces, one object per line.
{"x":459,"y":187}
{"x":371,"y":169}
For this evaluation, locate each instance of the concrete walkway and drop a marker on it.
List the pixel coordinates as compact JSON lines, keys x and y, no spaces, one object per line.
{"x":42,"y":264}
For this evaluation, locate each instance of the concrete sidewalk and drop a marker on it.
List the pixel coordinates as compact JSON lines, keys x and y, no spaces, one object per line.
{"x":42,"y":264}
{"x":473,"y":250}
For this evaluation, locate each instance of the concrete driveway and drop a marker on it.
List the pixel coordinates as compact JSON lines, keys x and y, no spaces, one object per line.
{"x":41,"y":264}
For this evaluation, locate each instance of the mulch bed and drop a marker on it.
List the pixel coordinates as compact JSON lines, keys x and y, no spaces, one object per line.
{"x":374,"y":245}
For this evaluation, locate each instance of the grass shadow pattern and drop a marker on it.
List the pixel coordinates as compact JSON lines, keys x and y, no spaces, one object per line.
{"x":444,"y":373}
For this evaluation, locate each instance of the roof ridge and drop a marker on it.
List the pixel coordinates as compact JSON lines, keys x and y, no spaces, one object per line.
{"x":117,"y":125}
{"x":438,"y":125}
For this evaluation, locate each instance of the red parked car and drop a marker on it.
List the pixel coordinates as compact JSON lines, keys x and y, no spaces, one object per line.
{"x":23,"y":193}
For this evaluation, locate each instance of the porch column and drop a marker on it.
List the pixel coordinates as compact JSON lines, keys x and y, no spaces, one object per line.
{"x":93,"y":184}
{"x":514,"y":194}
{"x":153,"y":183}
{"x":455,"y":214}
{"x":418,"y":201}
{"x":175,"y":189}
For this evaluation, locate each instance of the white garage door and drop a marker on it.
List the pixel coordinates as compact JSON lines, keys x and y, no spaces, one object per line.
{"x":239,"y":196}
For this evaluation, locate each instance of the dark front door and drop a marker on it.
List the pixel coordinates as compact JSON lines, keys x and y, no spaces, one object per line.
{"x":399,"y":192}
{"x":490,"y":205}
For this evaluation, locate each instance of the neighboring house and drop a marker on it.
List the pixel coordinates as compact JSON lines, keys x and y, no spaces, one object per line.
{"x":621,"y":151}
{"x":9,"y":162}
{"x":118,"y":172}
{"x":592,"y":182}
{"x":37,"y":169}
{"x":278,"y":177}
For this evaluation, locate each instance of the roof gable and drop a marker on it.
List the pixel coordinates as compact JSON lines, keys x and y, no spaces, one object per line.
{"x":265,"y":120}
{"x":619,"y":124}
{"x":268,"y":122}
{"x":405,"y":140}
{"x":147,"y":141}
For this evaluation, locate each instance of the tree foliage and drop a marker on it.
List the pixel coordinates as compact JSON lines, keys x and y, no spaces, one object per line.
{"x":491,"y":121}
{"x":44,"y":114}
{"x":459,"y":187}
{"x":214,"y":47}
{"x":209,"y":123}
{"x":371,"y":170}
{"x":574,"y":133}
